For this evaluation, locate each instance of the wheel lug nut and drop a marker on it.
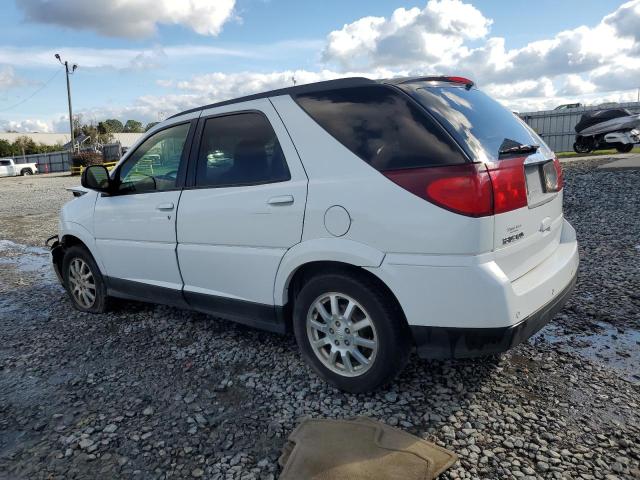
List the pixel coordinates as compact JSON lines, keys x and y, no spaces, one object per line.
{"x":346,"y":342}
{"x":347,"y":331}
{"x":331,"y":331}
{"x":337,"y":324}
{"x":337,"y":342}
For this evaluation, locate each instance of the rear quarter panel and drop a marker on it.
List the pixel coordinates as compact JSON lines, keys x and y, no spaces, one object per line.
{"x":383,"y":215}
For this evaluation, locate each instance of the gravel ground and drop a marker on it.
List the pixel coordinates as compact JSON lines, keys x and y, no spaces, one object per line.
{"x":29,"y":206}
{"x":155,"y":392}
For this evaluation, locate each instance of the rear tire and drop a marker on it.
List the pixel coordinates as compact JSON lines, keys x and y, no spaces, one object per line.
{"x":625,"y":148}
{"x":83,"y":281}
{"x":360,"y":339}
{"x":26,"y":171}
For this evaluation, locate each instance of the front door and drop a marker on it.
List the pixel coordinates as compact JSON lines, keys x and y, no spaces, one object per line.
{"x":135,"y":228}
{"x":243,"y":212}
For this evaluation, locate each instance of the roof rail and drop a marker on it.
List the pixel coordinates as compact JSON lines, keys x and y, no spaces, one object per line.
{"x":307,"y":88}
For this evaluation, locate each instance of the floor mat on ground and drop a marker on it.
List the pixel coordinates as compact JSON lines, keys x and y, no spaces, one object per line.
{"x":359,"y":449}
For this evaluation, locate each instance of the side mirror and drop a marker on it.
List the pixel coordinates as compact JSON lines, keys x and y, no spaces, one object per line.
{"x":96,"y":177}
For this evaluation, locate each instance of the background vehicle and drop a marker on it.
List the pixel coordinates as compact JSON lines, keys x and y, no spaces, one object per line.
{"x":366,"y":217}
{"x":568,"y":106}
{"x":9,"y":168}
{"x":611,"y":128}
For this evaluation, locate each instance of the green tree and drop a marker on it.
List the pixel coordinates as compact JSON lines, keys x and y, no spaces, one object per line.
{"x":111,"y":125}
{"x":150,"y":126}
{"x":5,"y":149}
{"x":24,"y":146}
{"x":133,"y":126}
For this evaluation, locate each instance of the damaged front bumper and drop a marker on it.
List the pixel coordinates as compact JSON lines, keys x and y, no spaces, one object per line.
{"x":57,"y":254}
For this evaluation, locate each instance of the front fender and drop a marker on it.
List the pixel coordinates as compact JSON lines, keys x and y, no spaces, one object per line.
{"x":322,"y":249}
{"x":79,"y":231}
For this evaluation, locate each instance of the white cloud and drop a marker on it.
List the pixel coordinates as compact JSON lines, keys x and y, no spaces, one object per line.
{"x":587,"y":64}
{"x":527,"y":88}
{"x":27,"y":125}
{"x":9,"y":79}
{"x":626,"y":20}
{"x":432,"y":34}
{"x":144,"y":58}
{"x":130,"y":18}
{"x":576,"y":85}
{"x":443,"y":37}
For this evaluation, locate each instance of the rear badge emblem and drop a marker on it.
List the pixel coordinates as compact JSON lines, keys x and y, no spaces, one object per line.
{"x":512,"y":238}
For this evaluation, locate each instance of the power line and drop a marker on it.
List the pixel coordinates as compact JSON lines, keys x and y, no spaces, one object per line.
{"x":33,"y":94}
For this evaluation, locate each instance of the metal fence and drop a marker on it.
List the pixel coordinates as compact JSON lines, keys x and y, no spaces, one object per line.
{"x":112,"y":152}
{"x":47,"y":162}
{"x":556,"y":127}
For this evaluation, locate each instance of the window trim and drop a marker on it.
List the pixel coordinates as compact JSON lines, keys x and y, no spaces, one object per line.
{"x":191,"y":177}
{"x":402,"y":93}
{"x":182,"y":167}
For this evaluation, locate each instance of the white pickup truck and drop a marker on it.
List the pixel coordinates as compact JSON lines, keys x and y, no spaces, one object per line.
{"x":9,"y":168}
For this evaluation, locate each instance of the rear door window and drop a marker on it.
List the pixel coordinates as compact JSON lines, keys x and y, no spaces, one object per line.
{"x":481,"y":124}
{"x":240,"y":149}
{"x":382,"y":126}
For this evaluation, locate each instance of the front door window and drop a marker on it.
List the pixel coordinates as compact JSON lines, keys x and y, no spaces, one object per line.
{"x":154,"y":164}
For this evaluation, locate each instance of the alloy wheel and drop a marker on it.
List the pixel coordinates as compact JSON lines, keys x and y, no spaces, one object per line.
{"x":341,"y":334}
{"x":81,"y":283}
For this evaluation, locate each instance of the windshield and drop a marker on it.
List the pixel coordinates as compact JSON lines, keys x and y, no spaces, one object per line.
{"x":483,"y":126}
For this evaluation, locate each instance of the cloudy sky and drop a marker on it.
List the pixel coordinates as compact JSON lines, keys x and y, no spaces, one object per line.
{"x":147,"y":59}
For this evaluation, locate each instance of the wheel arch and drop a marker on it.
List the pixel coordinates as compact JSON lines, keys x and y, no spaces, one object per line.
{"x":346,"y":257}
{"x":330,"y":250}
{"x":75,"y":234}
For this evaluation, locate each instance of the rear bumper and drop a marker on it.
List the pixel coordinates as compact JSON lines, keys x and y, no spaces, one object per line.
{"x":444,"y":342}
{"x":466,"y":306}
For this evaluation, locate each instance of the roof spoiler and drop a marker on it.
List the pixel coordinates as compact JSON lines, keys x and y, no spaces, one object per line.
{"x":468,"y":83}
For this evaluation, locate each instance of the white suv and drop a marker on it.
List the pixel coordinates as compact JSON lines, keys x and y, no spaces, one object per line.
{"x":367,"y":217}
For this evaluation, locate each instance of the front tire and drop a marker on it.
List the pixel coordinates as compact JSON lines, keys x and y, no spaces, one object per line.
{"x":83,"y":281}
{"x":351,"y":331}
{"x":580,"y":147}
{"x":624,"y":148}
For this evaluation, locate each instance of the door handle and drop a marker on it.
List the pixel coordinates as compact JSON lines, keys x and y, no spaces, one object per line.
{"x":281,"y":200}
{"x":165,"y":206}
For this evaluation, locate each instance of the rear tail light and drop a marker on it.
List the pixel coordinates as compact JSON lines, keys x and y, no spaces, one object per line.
{"x":472,"y":189}
{"x":509,"y":184}
{"x":463,"y":189}
{"x":556,"y":163}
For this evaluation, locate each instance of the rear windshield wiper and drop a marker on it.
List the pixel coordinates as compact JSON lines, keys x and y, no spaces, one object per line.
{"x":520,"y":149}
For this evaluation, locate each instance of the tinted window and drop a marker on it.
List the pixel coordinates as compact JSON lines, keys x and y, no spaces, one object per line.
{"x":240,"y":149}
{"x":154,"y":165}
{"x":5,"y":162}
{"x":381,"y":126}
{"x":479,"y":122}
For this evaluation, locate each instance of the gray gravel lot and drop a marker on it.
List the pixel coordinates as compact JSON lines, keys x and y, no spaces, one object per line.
{"x":155,"y":392}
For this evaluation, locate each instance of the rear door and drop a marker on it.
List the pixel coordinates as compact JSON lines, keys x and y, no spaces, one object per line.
{"x":243,"y":210}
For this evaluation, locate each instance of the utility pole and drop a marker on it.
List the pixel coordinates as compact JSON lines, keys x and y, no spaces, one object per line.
{"x":73,"y":69}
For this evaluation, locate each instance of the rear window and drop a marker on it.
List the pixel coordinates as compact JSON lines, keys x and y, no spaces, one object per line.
{"x":382,"y":126}
{"x":481,"y":124}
